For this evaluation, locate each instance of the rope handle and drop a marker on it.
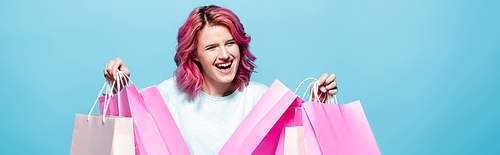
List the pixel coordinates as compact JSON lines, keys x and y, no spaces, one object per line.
{"x":330,"y":99}
{"x":109,"y":94}
{"x":97,"y":99}
{"x":120,"y":73}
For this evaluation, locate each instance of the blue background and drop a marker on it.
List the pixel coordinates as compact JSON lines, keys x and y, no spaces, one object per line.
{"x":426,"y":72}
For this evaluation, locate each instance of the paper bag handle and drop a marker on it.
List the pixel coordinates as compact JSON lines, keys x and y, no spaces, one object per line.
{"x":106,"y":98}
{"x":97,"y":99}
{"x":315,"y":86}
{"x":120,"y":73}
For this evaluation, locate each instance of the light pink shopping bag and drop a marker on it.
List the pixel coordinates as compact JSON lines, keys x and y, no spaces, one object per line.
{"x":337,"y":129}
{"x":294,"y":141}
{"x":92,"y":136}
{"x":292,"y":135}
{"x":293,"y":118}
{"x":119,"y":108}
{"x":260,"y":131}
{"x":102,"y":135}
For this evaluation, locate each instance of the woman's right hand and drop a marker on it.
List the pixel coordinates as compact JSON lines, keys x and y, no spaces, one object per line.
{"x":111,"y":70}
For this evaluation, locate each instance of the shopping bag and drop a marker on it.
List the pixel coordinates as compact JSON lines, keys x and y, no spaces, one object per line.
{"x":337,"y":129}
{"x":164,"y":121}
{"x":293,"y":119}
{"x":100,"y":135}
{"x":293,"y":134}
{"x":154,"y":127}
{"x":93,"y":137}
{"x":149,"y":137}
{"x":115,"y":106}
{"x":260,"y":131}
{"x":294,"y":141}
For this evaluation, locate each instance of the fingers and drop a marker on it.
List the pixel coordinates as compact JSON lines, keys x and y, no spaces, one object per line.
{"x":333,"y":91}
{"x":331,"y":86}
{"x":120,"y":65}
{"x":322,"y":79}
{"x":125,"y":70}
{"x":111,"y":74}
{"x":328,"y":83}
{"x":116,"y":64}
{"x":330,"y":79}
{"x":107,"y":74}
{"x":111,"y":69}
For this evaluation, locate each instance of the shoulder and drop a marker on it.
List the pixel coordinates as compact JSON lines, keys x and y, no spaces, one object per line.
{"x":256,"y":87}
{"x":167,"y":87}
{"x":252,"y":94}
{"x":167,"y":84}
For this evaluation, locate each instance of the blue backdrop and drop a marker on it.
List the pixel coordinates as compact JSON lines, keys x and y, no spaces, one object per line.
{"x":426,"y":71}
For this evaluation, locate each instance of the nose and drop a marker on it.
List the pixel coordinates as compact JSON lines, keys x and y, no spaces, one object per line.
{"x":224,"y":54}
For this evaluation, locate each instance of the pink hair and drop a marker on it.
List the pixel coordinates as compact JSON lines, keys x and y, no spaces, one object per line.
{"x":188,"y":74}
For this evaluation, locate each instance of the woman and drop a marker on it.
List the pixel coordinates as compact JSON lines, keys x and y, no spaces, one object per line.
{"x":211,"y":91}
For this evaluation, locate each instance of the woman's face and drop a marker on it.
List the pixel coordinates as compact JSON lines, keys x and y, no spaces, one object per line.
{"x":218,"y":54}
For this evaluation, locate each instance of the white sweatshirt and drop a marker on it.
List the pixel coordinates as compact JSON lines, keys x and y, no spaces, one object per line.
{"x":207,"y":122}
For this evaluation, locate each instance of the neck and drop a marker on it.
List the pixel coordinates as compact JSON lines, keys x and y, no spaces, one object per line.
{"x":217,"y":89}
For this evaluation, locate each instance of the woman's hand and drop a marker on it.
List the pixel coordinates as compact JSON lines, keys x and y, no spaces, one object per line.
{"x":111,"y":71}
{"x":327,"y":86}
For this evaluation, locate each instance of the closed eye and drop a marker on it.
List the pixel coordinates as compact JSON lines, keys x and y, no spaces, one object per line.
{"x":230,"y":42}
{"x":210,"y":48}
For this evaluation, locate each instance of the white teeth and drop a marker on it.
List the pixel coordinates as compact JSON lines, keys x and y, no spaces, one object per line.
{"x":224,"y":65}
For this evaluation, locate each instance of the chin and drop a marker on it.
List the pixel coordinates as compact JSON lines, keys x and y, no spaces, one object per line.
{"x":227,"y":79}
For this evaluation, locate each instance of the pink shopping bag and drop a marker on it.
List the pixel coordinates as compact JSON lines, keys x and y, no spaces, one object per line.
{"x":148,"y":136}
{"x":115,"y":107}
{"x":155,"y":130}
{"x":337,"y":129}
{"x":165,"y":123}
{"x":260,"y":131}
{"x":155,"y":127}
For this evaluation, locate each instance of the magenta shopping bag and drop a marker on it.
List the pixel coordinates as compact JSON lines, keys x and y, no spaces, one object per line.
{"x":260,"y":131}
{"x":337,"y":129}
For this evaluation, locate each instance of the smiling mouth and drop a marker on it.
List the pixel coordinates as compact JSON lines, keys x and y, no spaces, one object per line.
{"x":224,"y":65}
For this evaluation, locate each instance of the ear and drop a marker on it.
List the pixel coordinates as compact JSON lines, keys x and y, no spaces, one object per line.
{"x":195,"y":57}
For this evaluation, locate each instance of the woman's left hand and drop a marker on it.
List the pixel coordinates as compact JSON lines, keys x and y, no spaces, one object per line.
{"x":327,"y":86}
